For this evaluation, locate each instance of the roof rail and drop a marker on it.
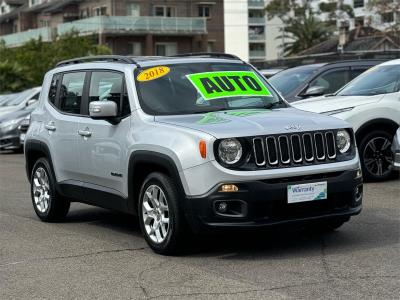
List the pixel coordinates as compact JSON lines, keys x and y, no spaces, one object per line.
{"x":209,"y":54}
{"x":102,"y":58}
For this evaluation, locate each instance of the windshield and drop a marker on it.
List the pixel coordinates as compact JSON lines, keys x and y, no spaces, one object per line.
{"x":203,"y":87}
{"x":375,"y":81}
{"x":288,"y":81}
{"x":16,"y":99}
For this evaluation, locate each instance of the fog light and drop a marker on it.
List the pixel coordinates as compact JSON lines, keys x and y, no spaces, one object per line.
{"x":359,"y":173}
{"x":226,"y":188}
{"x":222,"y":207}
{"x":358,"y":193}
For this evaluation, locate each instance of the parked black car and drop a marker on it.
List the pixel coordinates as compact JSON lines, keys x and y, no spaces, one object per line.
{"x":320,"y":79}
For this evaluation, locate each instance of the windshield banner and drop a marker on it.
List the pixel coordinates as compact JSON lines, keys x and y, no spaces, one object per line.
{"x":213,"y":85}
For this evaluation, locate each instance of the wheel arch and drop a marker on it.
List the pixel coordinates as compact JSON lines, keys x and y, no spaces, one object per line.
{"x":387,"y":125}
{"x":141,"y":164}
{"x":34,"y":150}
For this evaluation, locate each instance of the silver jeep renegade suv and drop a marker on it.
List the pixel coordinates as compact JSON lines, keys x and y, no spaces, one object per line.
{"x":188,"y":143}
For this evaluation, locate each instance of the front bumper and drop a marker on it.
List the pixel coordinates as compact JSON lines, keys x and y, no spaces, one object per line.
{"x":264,"y":202}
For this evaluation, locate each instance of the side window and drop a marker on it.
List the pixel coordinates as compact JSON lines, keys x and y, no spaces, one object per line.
{"x":357,"y":71}
{"x":109,"y":86}
{"x":71,"y":92}
{"x":332,"y":80}
{"x":53,"y":88}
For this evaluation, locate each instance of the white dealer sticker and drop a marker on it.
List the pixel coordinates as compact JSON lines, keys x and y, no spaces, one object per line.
{"x":307,"y":192}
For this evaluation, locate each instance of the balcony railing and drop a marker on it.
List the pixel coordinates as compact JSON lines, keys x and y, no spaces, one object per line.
{"x":257,"y":53}
{"x":257,"y":37}
{"x":256,"y":3}
{"x":127,"y":24}
{"x":19,"y":38}
{"x":257,"y":21}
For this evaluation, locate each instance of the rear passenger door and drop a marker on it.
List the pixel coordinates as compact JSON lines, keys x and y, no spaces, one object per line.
{"x":64,"y":113}
{"x":101,"y":145}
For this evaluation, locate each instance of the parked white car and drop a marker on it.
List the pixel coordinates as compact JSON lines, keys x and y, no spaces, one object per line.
{"x":371,"y":103}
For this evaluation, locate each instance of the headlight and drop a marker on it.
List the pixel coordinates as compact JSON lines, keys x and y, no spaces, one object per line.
{"x":337,"y":111}
{"x":343,"y":141}
{"x":230,"y":151}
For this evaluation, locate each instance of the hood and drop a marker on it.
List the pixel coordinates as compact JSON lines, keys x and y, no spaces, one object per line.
{"x":16,"y":114}
{"x":324,"y":104}
{"x":7,"y":109}
{"x":253,"y":122}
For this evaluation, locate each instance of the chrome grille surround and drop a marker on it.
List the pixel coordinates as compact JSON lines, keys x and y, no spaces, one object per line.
{"x":295,"y":149}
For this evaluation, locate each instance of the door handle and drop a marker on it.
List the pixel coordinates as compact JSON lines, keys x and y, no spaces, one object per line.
{"x":50,"y":127}
{"x":84,"y":133}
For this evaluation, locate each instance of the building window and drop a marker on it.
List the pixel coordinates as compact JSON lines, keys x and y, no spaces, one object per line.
{"x":135,"y":49}
{"x":164,"y":11}
{"x":166,"y":49}
{"x":84,"y":13}
{"x":210,"y":46}
{"x":100,"y":11}
{"x":388,"y":17}
{"x":133,"y":9}
{"x":358,"y":3}
{"x":204,"y":11}
{"x":44,"y":23}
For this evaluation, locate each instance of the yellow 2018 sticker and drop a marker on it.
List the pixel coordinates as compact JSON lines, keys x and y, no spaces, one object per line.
{"x":153,"y":73}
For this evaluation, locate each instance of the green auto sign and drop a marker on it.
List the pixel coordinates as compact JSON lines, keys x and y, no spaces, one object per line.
{"x":213,"y":85}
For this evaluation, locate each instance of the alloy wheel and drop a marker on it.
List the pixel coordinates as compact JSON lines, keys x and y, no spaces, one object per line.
{"x":155,"y":213}
{"x":41,"y":190}
{"x":377,"y":156}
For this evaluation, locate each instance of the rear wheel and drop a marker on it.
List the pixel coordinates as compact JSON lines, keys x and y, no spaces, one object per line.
{"x":48,"y":205}
{"x":376,"y":156}
{"x":160,"y":214}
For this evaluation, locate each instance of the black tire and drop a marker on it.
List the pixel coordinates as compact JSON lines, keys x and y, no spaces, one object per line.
{"x":58,"y":206}
{"x":371,"y":160}
{"x":173,"y":242}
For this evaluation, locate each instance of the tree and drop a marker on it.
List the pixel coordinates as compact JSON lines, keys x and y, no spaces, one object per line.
{"x":301,"y":29}
{"x":303,"y":33}
{"x":32,"y":60}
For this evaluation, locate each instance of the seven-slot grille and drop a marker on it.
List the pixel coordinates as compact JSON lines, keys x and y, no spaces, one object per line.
{"x":294,"y":149}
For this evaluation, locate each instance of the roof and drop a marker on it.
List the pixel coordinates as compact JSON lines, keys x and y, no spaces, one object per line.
{"x":360,"y":39}
{"x":391,"y":62}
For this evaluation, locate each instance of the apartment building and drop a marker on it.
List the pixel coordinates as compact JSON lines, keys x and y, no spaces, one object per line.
{"x":128,"y":27}
{"x":365,"y":14}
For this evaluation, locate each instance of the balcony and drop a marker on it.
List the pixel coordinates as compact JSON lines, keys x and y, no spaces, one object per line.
{"x":20,"y":38}
{"x":257,"y":21}
{"x":256,"y":37}
{"x":256,"y":4}
{"x":256,"y":54}
{"x":127,"y":25}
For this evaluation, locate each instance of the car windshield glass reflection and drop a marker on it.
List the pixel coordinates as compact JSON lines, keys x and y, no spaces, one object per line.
{"x":376,"y":81}
{"x":16,"y":99}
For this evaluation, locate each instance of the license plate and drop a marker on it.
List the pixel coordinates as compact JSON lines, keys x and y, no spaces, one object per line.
{"x":307,"y":192}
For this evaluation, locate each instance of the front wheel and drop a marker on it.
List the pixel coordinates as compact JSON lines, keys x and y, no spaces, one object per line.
{"x":376,"y":156}
{"x":160,"y":214}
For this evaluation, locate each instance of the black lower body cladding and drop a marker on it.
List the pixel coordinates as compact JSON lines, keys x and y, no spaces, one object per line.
{"x":265,"y":202}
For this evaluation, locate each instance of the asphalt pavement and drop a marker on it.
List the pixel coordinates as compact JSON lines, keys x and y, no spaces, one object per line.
{"x":101,"y":254}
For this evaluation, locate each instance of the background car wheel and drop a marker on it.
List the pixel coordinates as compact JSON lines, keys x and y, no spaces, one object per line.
{"x":160,"y":215}
{"x":376,"y":156}
{"x":48,"y":205}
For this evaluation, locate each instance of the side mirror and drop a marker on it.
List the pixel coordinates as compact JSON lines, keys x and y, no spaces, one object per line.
{"x":31,"y":101}
{"x":314,"y":91}
{"x":103,"y":110}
